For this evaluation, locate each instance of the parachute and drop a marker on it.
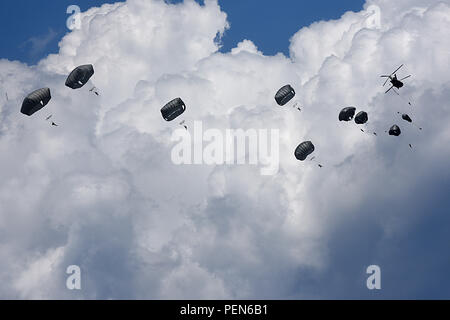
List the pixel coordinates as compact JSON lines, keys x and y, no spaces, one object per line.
{"x":361,"y":118}
{"x":173,"y":109}
{"x":303,"y":150}
{"x":80,"y":76}
{"x":406,"y":118}
{"x":347,"y":114}
{"x":395,"y":131}
{"x":35,"y":101}
{"x":284,"y":95}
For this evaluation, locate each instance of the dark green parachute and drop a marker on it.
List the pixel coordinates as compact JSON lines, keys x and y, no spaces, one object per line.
{"x":362,"y":117}
{"x":35,"y":101}
{"x":395,"y":131}
{"x":80,"y":76}
{"x":347,"y":114}
{"x":173,"y":109}
{"x":303,"y":150}
{"x":284,"y":95}
{"x":406,"y":118}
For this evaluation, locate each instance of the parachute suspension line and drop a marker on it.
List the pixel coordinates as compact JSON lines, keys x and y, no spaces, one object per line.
{"x":374,"y":133}
{"x":183,"y":123}
{"x":403,"y":98}
{"x":297,"y":106}
{"x":313,"y":159}
{"x":53,"y":124}
{"x":366,"y":131}
{"x":94,"y":90}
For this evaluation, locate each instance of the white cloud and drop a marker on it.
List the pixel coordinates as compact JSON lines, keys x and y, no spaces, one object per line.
{"x":101,"y":192}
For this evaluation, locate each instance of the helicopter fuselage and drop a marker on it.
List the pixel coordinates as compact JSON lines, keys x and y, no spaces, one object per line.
{"x":397,"y":83}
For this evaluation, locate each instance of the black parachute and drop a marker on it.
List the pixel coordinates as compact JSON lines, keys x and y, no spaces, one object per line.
{"x":395,"y":131}
{"x":303,"y":150}
{"x":347,"y":114}
{"x":173,"y":109}
{"x":406,"y":118}
{"x":35,"y":101}
{"x":284,"y":95}
{"x":80,"y":76}
{"x":362,"y":117}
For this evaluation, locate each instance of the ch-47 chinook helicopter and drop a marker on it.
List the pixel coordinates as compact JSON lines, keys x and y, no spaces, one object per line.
{"x":396,"y":83}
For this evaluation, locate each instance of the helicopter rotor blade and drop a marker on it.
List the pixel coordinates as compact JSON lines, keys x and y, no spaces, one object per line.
{"x":405,"y":78}
{"x":389,"y":89}
{"x":396,"y":91}
{"x":386,"y":81}
{"x":397,"y":70}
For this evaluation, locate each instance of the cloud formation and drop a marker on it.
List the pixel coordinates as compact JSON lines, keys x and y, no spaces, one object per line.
{"x":101,"y":191}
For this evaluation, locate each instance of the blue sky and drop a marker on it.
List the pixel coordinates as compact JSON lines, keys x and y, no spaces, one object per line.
{"x":35,"y":27}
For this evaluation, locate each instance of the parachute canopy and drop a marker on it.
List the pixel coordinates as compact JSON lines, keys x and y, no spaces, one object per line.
{"x":303,"y":150}
{"x":347,"y":114}
{"x":362,"y":117}
{"x":173,"y":109}
{"x":395,"y":131}
{"x":35,"y":101}
{"x":80,"y":76}
{"x":284,"y":95}
{"x":406,"y":118}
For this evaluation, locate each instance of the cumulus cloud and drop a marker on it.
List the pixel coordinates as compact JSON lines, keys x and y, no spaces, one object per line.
{"x":101,"y":192}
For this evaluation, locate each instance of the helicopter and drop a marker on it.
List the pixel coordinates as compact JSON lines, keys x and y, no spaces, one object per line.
{"x":396,"y":83}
